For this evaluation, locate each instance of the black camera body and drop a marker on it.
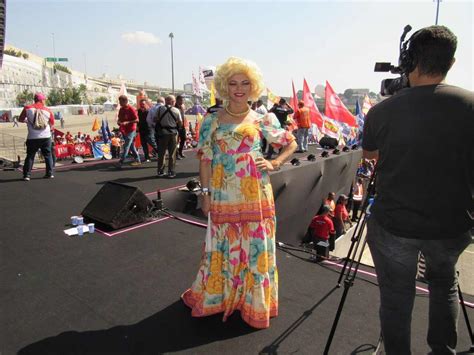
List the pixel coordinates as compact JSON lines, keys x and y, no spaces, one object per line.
{"x":406,"y":63}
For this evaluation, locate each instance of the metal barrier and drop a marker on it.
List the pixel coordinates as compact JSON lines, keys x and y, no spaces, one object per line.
{"x":12,"y":147}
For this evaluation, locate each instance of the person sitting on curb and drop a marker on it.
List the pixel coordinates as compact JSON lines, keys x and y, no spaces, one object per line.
{"x":322,"y":228}
{"x":341,"y":216}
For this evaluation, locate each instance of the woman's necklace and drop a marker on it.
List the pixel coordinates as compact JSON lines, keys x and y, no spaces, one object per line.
{"x":239,"y":114}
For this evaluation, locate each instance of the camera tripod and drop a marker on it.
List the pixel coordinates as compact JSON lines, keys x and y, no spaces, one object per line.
{"x":352,"y":263}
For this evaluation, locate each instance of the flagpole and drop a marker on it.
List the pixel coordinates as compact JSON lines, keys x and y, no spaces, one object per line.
{"x":172,"y":62}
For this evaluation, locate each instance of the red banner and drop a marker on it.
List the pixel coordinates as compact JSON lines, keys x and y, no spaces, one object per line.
{"x":82,"y":149}
{"x":68,"y":150}
{"x":63,"y":150}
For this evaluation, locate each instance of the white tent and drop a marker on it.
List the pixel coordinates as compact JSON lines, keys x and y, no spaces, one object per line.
{"x":109,"y":106}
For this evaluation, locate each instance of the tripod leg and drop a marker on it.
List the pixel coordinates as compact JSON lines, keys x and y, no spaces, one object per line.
{"x":466,"y":318}
{"x":347,"y":285}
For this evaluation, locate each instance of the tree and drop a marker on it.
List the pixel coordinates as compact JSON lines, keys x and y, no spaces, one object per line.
{"x":24,"y":97}
{"x":25,"y":55}
{"x":100,"y":100}
{"x":153,"y":97}
{"x":61,"y":68}
{"x":348,"y":94}
{"x":55,"y":97}
{"x":12,"y":52}
{"x":76,"y":96}
{"x":83,"y":93}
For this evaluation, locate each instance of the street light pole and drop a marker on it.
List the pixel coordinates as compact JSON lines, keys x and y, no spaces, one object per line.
{"x":172,"y":62}
{"x":437,"y":11}
{"x":85,"y":66}
{"x":54,"y":56}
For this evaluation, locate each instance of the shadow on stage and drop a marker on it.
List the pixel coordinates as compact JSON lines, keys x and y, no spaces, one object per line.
{"x":172,"y":329}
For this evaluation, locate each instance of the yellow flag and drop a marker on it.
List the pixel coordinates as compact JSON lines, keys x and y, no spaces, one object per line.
{"x":95,"y":125}
{"x":199,"y":118}
{"x":366,"y":105}
{"x":271,"y":99}
{"x":213,"y":95}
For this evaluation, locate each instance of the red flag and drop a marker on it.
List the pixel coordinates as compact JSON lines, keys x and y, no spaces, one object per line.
{"x":308,"y":100}
{"x":336,"y":110}
{"x":58,"y":133}
{"x":294,"y":99}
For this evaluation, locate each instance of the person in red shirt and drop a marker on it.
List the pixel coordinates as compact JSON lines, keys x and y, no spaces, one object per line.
{"x":127,"y":120}
{"x":322,"y":228}
{"x":303,"y":120}
{"x":341,"y":216}
{"x":329,"y":201}
{"x":40,"y":122}
{"x":69,"y":138}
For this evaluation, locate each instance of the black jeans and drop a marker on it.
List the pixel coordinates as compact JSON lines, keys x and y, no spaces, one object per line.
{"x":32,"y":146}
{"x":166,"y":143}
{"x":182,"y":140}
{"x":355,"y":210}
{"x":396,"y":260}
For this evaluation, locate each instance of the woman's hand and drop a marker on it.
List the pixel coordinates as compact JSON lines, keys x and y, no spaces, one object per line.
{"x":267,"y":165}
{"x":206,"y":204}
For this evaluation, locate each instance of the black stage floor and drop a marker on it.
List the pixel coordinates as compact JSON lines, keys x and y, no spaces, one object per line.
{"x":120,"y":295}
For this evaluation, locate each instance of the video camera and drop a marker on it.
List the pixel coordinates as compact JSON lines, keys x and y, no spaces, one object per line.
{"x":405,"y":65}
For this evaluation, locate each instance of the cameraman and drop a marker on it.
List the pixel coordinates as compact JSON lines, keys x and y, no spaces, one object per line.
{"x":411,"y":213}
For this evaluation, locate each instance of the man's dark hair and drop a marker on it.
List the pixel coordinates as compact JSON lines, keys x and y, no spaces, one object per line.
{"x":433,"y":49}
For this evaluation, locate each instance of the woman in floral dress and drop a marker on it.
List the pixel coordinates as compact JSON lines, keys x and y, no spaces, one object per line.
{"x":238,"y":270}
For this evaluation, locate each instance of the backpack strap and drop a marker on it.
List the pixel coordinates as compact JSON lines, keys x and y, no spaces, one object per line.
{"x":159,"y":117}
{"x":168,"y":110}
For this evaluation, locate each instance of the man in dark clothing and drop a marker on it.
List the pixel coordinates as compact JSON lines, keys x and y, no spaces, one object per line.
{"x":281,"y":111}
{"x":144,"y":130}
{"x":411,"y":213}
{"x":167,"y":122}
{"x":181,"y":130}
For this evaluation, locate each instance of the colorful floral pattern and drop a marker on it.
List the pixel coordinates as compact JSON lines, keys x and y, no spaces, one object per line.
{"x":240,"y":272}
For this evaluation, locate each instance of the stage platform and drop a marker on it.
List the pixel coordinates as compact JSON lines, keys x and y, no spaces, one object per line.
{"x":119,"y":293}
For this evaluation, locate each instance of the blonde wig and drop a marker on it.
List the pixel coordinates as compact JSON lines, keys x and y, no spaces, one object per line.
{"x":233,"y":66}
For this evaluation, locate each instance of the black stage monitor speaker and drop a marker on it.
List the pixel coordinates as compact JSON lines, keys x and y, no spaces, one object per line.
{"x":117,"y":206}
{"x":328,"y":142}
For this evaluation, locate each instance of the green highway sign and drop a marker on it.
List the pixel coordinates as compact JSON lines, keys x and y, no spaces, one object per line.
{"x":52,"y":59}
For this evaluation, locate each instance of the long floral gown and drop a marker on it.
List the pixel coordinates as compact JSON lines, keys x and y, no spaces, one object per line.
{"x":239,"y":271}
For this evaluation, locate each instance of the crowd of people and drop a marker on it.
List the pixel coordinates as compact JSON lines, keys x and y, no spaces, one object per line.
{"x":336,"y":216}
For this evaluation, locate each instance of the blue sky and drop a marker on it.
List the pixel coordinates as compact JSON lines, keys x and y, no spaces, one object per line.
{"x":319,"y":40}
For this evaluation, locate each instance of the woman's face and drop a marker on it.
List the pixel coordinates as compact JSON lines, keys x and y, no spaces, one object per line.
{"x":239,"y":88}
